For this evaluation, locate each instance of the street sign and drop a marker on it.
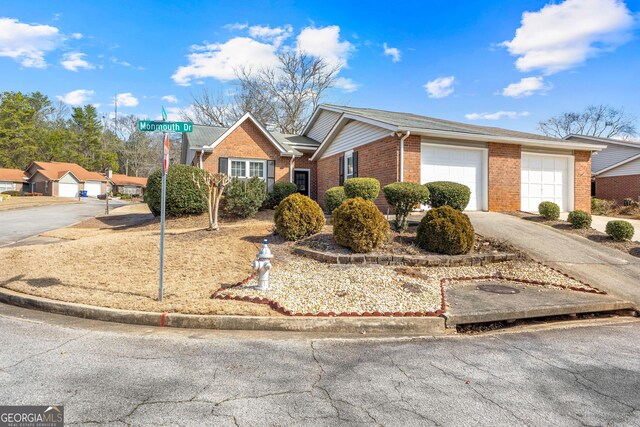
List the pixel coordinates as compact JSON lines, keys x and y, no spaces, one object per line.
{"x":155,"y":126}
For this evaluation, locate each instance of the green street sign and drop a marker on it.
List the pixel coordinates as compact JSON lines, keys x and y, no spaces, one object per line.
{"x":153,"y":126}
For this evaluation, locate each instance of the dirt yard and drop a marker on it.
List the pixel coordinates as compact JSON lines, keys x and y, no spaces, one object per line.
{"x":112,"y":261}
{"x":31,"y":202}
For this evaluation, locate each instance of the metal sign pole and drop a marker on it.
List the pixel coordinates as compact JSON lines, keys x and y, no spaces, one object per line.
{"x":165,"y":166}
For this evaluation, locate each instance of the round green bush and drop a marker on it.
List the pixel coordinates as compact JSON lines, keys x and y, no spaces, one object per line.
{"x":244,"y":198}
{"x":13,"y":193}
{"x":620,"y":230}
{"x":596,"y":205}
{"x":446,"y":193}
{"x":280,"y":191}
{"x":333,"y":198}
{"x":297,"y":217}
{"x":358,"y":224}
{"x":579,"y":219}
{"x":183,"y":195}
{"x":403,"y":197}
{"x":445,"y":230}
{"x":367,"y":188}
{"x":549,"y":210}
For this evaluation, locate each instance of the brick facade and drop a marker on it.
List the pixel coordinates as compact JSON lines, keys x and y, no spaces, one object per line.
{"x":618,"y":188}
{"x":504,"y":177}
{"x":582,"y":181}
{"x":380,"y":160}
{"x":328,"y":175}
{"x":412,"y":158}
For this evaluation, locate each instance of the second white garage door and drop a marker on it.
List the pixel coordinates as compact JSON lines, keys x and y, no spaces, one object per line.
{"x":93,"y":188}
{"x":457,"y":164}
{"x":545,"y":178}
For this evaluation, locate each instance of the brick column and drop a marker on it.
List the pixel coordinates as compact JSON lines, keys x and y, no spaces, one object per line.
{"x":504,"y":177}
{"x":582,"y":181}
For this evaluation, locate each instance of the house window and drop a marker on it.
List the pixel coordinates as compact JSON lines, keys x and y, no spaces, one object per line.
{"x":348,"y":165}
{"x":244,"y":169}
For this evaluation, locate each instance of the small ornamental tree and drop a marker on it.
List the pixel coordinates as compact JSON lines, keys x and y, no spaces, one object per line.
{"x":403,"y":197}
{"x":214,"y":183}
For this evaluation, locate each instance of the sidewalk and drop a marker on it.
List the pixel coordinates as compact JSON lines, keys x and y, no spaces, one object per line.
{"x":600,"y":223}
{"x":602,"y":267}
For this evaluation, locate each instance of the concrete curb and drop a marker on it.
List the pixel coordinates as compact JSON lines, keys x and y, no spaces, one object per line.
{"x":558,"y":310}
{"x":380,"y":325}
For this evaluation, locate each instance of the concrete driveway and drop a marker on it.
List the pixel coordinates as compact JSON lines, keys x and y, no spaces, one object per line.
{"x":605,"y":268}
{"x":19,"y":224}
{"x":600,"y":223}
{"x":119,"y":375}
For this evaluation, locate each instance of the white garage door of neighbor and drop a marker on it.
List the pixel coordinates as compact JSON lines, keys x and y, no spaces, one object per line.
{"x":461,"y":165}
{"x":66,"y":189}
{"x":93,"y":188}
{"x":545,"y":178}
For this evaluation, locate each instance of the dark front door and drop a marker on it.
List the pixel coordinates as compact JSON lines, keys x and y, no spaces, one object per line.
{"x":301,"y":179}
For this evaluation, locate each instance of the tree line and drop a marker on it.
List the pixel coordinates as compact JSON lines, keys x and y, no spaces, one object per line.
{"x":33,"y":128}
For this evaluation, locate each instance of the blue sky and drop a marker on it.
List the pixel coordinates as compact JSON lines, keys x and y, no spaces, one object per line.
{"x":482,"y":62}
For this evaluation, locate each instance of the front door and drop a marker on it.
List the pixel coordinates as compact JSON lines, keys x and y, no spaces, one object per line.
{"x":301,"y":179}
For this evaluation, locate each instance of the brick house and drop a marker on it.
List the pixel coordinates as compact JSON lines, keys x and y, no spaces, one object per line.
{"x":615,"y":171}
{"x":131,"y":185}
{"x":63,"y":180}
{"x":12,"y":179}
{"x":505,"y":170}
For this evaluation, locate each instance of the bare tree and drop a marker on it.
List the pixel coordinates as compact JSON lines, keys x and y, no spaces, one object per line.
{"x":596,"y":120}
{"x":282,"y":97}
{"x":215,"y":183}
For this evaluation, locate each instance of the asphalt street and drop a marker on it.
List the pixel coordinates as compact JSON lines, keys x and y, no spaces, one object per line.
{"x":19,"y":224}
{"x":112,"y":374}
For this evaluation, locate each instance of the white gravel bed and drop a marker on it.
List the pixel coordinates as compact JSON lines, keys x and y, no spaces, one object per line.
{"x":307,"y":286}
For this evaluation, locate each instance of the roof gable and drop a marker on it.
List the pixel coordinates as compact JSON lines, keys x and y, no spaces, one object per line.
{"x":249,"y":116}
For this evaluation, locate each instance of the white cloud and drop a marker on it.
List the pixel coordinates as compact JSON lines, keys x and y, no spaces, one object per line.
{"x":346,"y":85}
{"x":170,"y":99}
{"x":563,"y":35}
{"x":440,"y":87}
{"x":77,"y":36}
{"x":126,"y":100}
{"x":526,"y":87}
{"x":28,"y":43}
{"x":76,"y":97}
{"x":325,"y":43}
{"x":235,"y":26}
{"x":274,"y":35}
{"x":221,"y":60}
{"x":74,"y":60}
{"x":393,"y":52}
{"x":124,"y":63}
{"x":497,"y":115}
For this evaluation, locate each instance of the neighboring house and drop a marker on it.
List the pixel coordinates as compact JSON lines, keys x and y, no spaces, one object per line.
{"x":63,"y":179}
{"x":131,"y":185}
{"x":12,"y":179}
{"x":505,"y":170}
{"x":615,"y":170}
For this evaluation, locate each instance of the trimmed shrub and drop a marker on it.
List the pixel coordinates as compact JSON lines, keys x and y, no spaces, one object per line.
{"x":403,"y":197}
{"x":244,"y":198}
{"x":358,"y":224}
{"x":549,"y":210}
{"x":448,"y":193}
{"x":366,"y":188}
{"x":620,"y":230}
{"x":13,"y":193}
{"x":280,"y":191}
{"x":597,"y":205}
{"x":4,"y":196}
{"x":445,"y":230}
{"x":579,"y":219}
{"x":297,"y":217}
{"x":333,"y":198}
{"x":183,"y":195}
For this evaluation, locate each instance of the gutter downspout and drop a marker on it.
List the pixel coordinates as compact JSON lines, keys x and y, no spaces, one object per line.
{"x":201,"y":154}
{"x":406,"y":135}
{"x":291,"y":168}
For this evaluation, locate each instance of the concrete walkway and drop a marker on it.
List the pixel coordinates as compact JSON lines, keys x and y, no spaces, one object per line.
{"x":605,"y":268}
{"x":600,"y":223}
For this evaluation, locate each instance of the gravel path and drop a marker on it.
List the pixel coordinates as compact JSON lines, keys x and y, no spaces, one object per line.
{"x":306,"y":286}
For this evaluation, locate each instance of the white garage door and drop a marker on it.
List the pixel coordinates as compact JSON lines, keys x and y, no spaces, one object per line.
{"x":66,"y":189}
{"x":93,"y":188}
{"x":461,"y":165}
{"x":544,"y":179}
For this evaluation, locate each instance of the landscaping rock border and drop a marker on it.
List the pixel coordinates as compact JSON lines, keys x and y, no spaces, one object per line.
{"x":409,"y":260}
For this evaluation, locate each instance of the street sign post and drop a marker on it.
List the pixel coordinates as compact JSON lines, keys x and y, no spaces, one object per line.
{"x":157,"y":126}
{"x":166,"y":127}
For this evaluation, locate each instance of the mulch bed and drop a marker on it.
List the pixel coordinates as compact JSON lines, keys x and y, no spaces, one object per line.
{"x":632,"y":248}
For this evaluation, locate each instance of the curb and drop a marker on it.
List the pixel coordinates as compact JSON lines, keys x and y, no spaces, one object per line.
{"x":347,"y":325}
